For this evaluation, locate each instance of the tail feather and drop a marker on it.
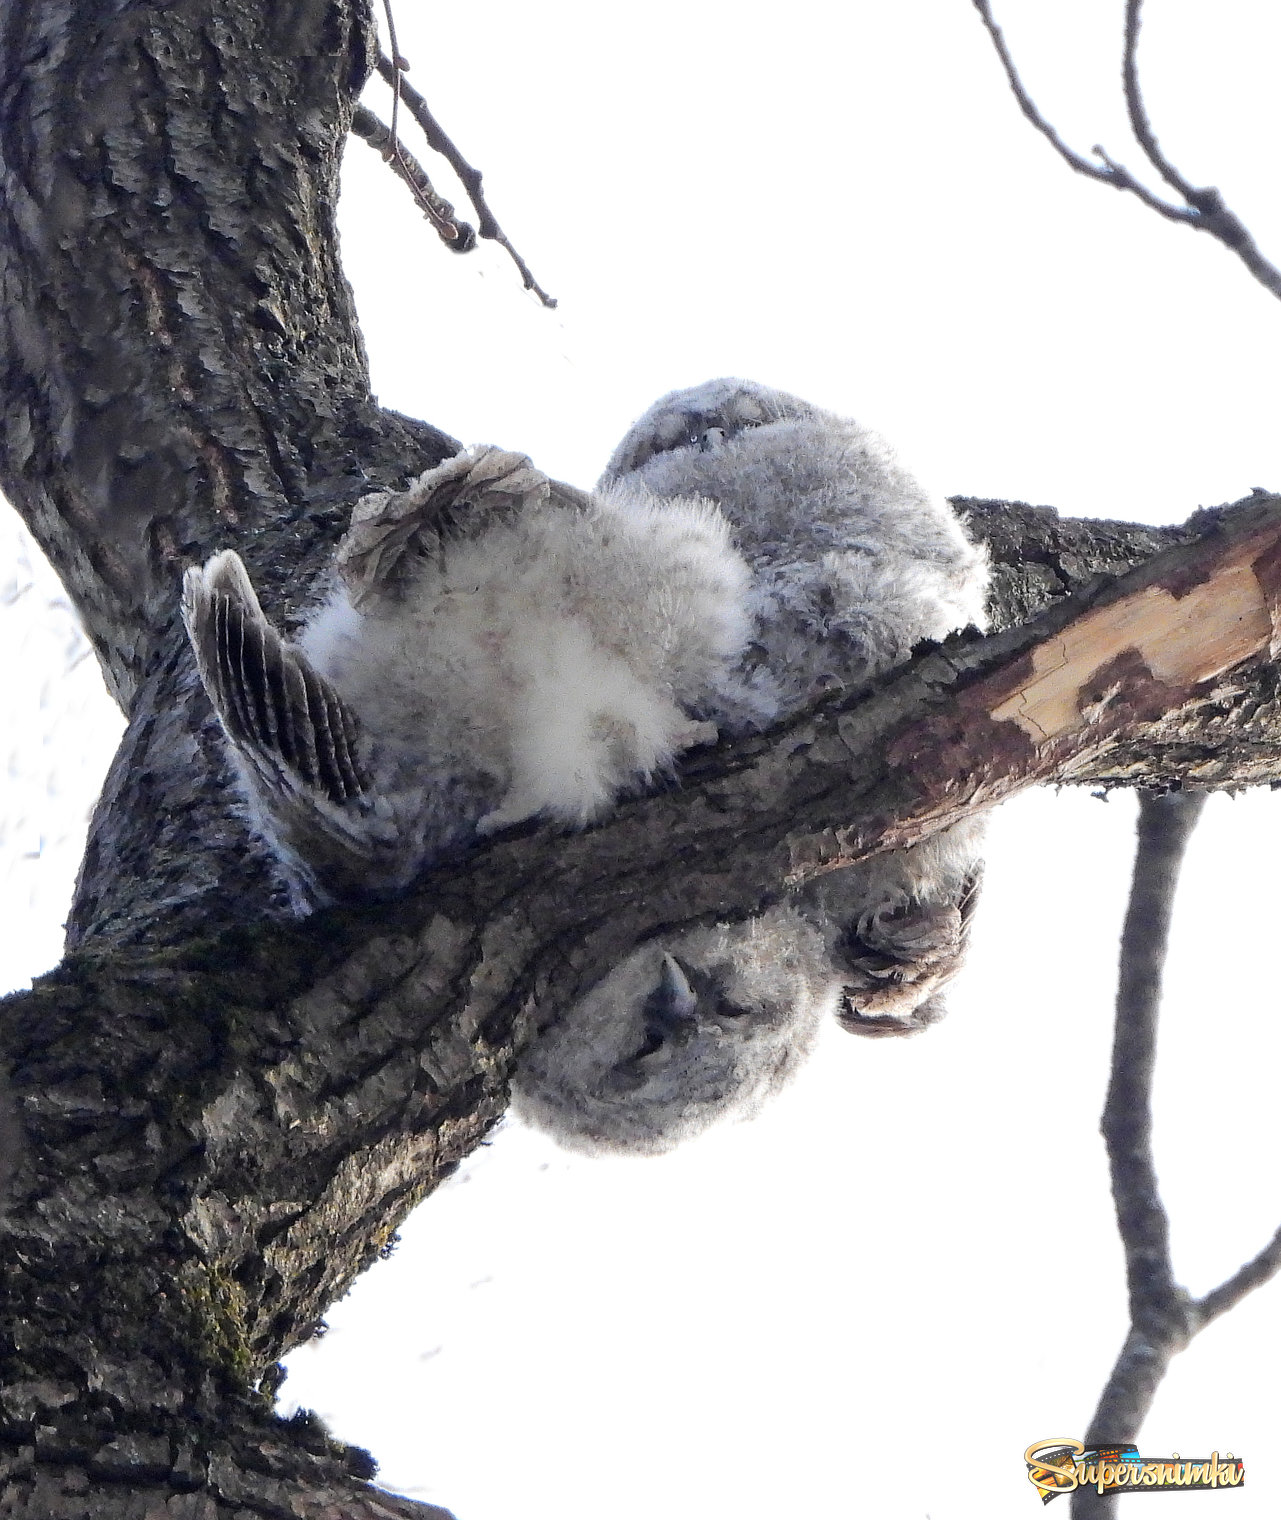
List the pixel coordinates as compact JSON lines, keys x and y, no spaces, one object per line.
{"x":279,"y":712}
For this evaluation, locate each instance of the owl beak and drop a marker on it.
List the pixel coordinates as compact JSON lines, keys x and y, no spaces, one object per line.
{"x":675,"y":1001}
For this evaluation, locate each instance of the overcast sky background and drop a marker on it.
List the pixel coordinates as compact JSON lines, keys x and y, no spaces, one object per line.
{"x":872,"y":1299}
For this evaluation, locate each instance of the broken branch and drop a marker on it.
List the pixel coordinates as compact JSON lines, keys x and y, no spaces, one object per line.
{"x":440,"y":142}
{"x":456,"y":234}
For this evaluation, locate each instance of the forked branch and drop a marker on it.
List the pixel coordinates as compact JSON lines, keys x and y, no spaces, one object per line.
{"x":1201,"y":208}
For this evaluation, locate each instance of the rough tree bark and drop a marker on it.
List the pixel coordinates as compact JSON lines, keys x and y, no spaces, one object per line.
{"x":216,"y":1116}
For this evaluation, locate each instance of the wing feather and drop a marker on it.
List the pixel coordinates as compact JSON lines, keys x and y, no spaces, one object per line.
{"x":274,"y":706}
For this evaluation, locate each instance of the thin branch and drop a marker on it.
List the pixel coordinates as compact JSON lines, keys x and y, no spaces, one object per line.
{"x":1106,"y":171}
{"x":1160,"y":1321}
{"x":1165,"y":825}
{"x":455,"y":233}
{"x":1163,"y":1318}
{"x":398,"y":59}
{"x":1230,"y":1293}
{"x":440,"y":142}
{"x":1026,"y":104}
{"x":1140,"y":124}
{"x":1204,"y":209}
{"x":459,"y":235}
{"x":1120,"y":178}
{"x":412,"y":174}
{"x":438,"y":210}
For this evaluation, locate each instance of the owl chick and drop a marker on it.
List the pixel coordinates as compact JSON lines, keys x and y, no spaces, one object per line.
{"x":495,"y":646}
{"x":852,"y":565}
{"x":678,"y":1034}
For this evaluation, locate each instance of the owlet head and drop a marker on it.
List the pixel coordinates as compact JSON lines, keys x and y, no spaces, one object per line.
{"x":701,"y":419}
{"x":679,"y":1035}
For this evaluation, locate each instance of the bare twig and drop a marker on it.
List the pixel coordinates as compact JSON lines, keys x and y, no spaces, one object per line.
{"x":1158,"y":1306}
{"x":438,"y":211}
{"x":458,"y":235}
{"x":1140,"y":125}
{"x":1163,"y":1317}
{"x":1106,"y":171}
{"x":1230,"y":1293}
{"x":400,"y":63}
{"x":455,"y":233}
{"x":1203,"y":209}
{"x":440,"y":142}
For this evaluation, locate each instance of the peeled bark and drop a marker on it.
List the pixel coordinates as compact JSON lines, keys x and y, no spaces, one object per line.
{"x":222,"y":1114}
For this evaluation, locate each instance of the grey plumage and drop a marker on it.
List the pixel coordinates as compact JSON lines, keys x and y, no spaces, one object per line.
{"x":852,"y":565}
{"x":678,"y":1034}
{"x":495,"y":646}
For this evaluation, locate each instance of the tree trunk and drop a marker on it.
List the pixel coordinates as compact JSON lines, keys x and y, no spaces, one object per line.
{"x":217,"y":1116}
{"x":182,"y":370}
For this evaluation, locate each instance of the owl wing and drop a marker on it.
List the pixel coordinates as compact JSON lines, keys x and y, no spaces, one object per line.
{"x":391,"y":529}
{"x":297,"y":744}
{"x":275,"y":708}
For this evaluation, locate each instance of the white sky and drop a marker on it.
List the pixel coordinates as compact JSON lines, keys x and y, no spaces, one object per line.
{"x":869,"y":1301}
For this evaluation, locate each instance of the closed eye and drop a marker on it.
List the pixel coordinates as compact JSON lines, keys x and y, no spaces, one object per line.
{"x":654,"y":1036}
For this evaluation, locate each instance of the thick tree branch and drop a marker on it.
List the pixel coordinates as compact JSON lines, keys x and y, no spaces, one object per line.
{"x":179,"y":348}
{"x":191,"y":865}
{"x":225,"y":1114}
{"x":1203,"y":208}
{"x":181,"y":365}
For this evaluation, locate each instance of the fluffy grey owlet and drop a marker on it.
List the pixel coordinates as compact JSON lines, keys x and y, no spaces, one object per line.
{"x":496,"y":646}
{"x":852,"y":564}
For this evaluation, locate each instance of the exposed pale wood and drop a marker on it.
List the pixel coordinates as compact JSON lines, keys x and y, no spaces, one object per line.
{"x":1181,"y":640}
